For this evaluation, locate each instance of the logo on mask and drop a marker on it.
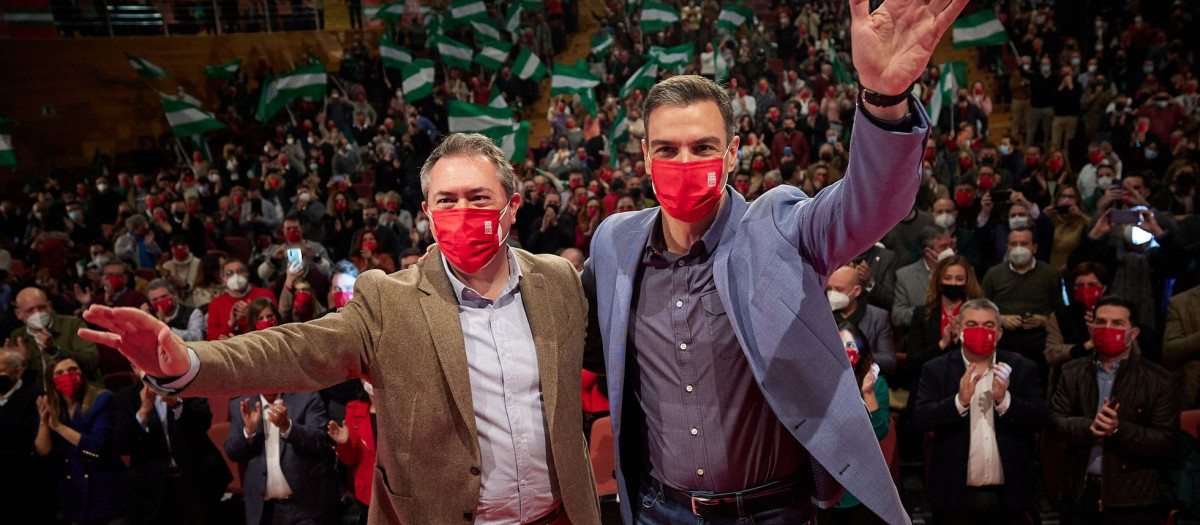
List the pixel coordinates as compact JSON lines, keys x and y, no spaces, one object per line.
{"x":487,"y":227}
{"x":712,"y":179}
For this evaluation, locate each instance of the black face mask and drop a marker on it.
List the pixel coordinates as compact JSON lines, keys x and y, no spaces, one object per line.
{"x":179,"y":216}
{"x":827,"y":157}
{"x":371,"y":222}
{"x":552,"y":207}
{"x":635,"y":193}
{"x":953,"y":292}
{"x":6,"y":384}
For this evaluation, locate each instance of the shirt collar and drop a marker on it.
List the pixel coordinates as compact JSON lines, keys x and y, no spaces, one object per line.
{"x":1032,"y":265}
{"x":707,"y":243}
{"x":1116,"y":365}
{"x":968,"y":361}
{"x":8,"y":395}
{"x":464,"y":293}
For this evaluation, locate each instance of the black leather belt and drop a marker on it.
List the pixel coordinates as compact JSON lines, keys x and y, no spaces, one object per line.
{"x":733,"y":504}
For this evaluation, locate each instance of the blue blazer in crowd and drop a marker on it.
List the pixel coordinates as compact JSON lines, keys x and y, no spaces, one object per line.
{"x":91,"y":483}
{"x":771,"y":266}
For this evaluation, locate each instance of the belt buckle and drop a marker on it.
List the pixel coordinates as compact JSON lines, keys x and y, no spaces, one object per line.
{"x":698,"y":500}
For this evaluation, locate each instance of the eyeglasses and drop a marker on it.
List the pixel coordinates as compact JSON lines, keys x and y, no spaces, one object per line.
{"x":243,"y":271}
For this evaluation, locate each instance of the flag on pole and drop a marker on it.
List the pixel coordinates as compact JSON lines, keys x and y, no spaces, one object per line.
{"x":572,"y":79}
{"x":390,"y":12}
{"x":528,"y":66}
{"x":643,"y":78}
{"x":393,"y":55}
{"x":722,"y":65}
{"x":676,"y":58}
{"x":732,"y":17}
{"x":656,"y":16}
{"x":7,"y":156}
{"x":496,"y":99}
{"x":453,"y":54}
{"x":514,"y":142}
{"x":953,"y":75}
{"x":225,"y":70}
{"x":145,"y":69}
{"x":418,"y":79}
{"x":182,"y":96}
{"x":979,"y":29}
{"x":512,"y":20}
{"x":486,"y":27}
{"x":617,"y":135}
{"x":493,"y":55}
{"x":187,"y":120}
{"x":462,"y":11}
{"x":308,"y":82}
{"x":601,"y":44}
{"x":467,"y":117}
{"x":587,"y":98}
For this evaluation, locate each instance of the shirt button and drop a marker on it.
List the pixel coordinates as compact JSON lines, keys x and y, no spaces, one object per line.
{"x":689,"y":388}
{"x":699,"y":472}
{"x":683,"y":346}
{"x":468,"y":516}
{"x":678,"y":304}
{"x":680,"y":263}
{"x":475,"y":471}
{"x":695,"y":431}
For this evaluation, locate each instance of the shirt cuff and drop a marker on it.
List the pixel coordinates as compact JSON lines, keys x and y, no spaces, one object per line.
{"x":174,"y":385}
{"x":962,"y":409}
{"x":141,"y":422}
{"x":903,"y":125}
{"x":283,"y":434}
{"x":1035,"y":212}
{"x":1003,"y":406}
{"x":248,"y":435}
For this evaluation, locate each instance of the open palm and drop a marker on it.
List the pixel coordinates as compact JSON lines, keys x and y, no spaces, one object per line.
{"x":892,"y":46}
{"x":144,"y":340}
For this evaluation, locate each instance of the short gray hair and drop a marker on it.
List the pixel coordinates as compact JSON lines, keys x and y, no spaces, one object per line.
{"x":10,"y":359}
{"x":161,"y":283}
{"x":465,"y":145}
{"x":685,"y":90}
{"x":980,"y":304}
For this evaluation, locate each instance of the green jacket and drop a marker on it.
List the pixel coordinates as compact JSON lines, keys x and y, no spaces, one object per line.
{"x":66,"y":338}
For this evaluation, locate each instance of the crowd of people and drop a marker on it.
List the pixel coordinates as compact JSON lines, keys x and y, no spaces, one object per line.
{"x":1023,"y":304}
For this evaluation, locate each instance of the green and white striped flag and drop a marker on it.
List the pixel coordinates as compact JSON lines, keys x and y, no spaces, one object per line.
{"x":617,"y":135}
{"x":307,"y":82}
{"x":7,"y":156}
{"x":493,"y":55}
{"x":979,"y":29}
{"x":462,"y":11}
{"x":29,"y":16}
{"x":182,"y":96}
{"x":529,"y":66}
{"x":512,"y":20}
{"x":467,"y":117}
{"x":948,"y":82}
{"x":187,"y":120}
{"x":602,"y":44}
{"x":532,"y":5}
{"x":732,"y":17}
{"x":394,"y":55}
{"x":643,"y":78}
{"x":656,"y":16}
{"x":721,"y":64}
{"x":486,"y":27}
{"x":572,"y":79}
{"x":514,"y":143}
{"x":390,"y":11}
{"x":453,"y":54}
{"x":225,"y":70}
{"x":587,"y":98}
{"x":418,"y":79}
{"x":496,"y":100}
{"x":145,"y":69}
{"x":676,"y":58}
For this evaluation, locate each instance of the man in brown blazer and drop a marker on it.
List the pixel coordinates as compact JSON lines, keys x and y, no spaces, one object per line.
{"x":474,"y":355}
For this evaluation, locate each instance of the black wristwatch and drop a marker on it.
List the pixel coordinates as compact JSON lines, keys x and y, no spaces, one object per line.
{"x":881,"y":100}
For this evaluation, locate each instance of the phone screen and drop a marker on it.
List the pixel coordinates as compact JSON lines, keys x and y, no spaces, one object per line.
{"x":293,"y":256}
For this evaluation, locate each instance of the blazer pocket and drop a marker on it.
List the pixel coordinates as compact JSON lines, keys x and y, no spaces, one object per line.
{"x":393,"y":490}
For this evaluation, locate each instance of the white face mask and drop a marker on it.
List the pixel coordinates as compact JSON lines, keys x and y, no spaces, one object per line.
{"x":37,"y":321}
{"x":1017,"y":223}
{"x":945,"y":220}
{"x":945,"y":254}
{"x":291,"y":140}
{"x":1020,"y":256}
{"x":422,"y":226}
{"x":235,"y":283}
{"x":102,"y":188}
{"x":838,"y":301}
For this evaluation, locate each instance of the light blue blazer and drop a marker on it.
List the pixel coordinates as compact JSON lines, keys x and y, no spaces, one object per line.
{"x":771,"y":267}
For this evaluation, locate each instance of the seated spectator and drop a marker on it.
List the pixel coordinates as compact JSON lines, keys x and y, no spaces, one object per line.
{"x":210,"y":281}
{"x":935,"y":326}
{"x":1181,"y":343}
{"x":354,"y":442}
{"x":1019,"y":214}
{"x":18,"y":421}
{"x":844,"y":291}
{"x":137,"y":244}
{"x":367,"y":255}
{"x":119,"y":287}
{"x":48,"y":335}
{"x":164,"y":303}
{"x":182,"y":270}
{"x":274,"y":261}
{"x":175,"y":472}
{"x":77,"y":425}
{"x":589,"y":218}
{"x":877,"y":273}
{"x":1068,"y":330}
{"x":388,"y":241}
{"x":1120,"y":432}
{"x":227,"y":312}
{"x":341,"y":284}
{"x":1027,"y":293}
{"x":298,"y":303}
{"x":946,"y":214}
{"x":410,"y":257}
{"x":263,"y":314}
{"x":554,"y":230}
{"x":984,"y":407}
{"x":259,"y":215}
{"x":912,"y":281}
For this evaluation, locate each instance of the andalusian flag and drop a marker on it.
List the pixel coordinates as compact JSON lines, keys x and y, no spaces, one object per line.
{"x":529,"y":66}
{"x":145,"y":69}
{"x":953,"y":75}
{"x":619,"y":134}
{"x":643,"y":78}
{"x":979,"y":29}
{"x":721,"y":64}
{"x":496,"y":100}
{"x":493,"y":54}
{"x":225,"y":70}
{"x":453,"y":53}
{"x":393,"y":55}
{"x":656,"y":16}
{"x":390,"y":12}
{"x":676,"y":58}
{"x":515,"y":143}
{"x":7,"y":156}
{"x":572,"y":79}
{"x":467,"y":117}
{"x":29,"y":18}
{"x":308,"y":82}
{"x":486,"y":27}
{"x":732,"y":17}
{"x":462,"y":11}
{"x":418,"y":79}
{"x":601,"y":44}
{"x":512,"y":20}
{"x":187,"y":120}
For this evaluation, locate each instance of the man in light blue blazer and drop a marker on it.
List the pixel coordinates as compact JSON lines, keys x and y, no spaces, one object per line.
{"x":731,"y":393}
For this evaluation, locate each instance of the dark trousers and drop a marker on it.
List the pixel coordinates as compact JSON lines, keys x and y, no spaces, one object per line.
{"x":653,"y":508}
{"x":979,"y":506}
{"x":856,"y":515}
{"x":1087,"y":511}
{"x":289,"y":512}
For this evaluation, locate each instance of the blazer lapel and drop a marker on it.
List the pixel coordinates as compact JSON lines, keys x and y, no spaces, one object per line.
{"x":441,"y":315}
{"x":721,"y":261}
{"x":629,"y":244}
{"x":539,"y":310}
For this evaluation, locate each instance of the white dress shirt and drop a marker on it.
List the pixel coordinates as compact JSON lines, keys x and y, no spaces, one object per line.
{"x":277,"y":485}
{"x":983,"y":459}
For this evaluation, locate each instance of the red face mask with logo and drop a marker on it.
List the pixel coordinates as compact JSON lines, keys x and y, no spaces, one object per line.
{"x":979,"y":340}
{"x":69,"y":384}
{"x":469,"y":237}
{"x":688,"y":191}
{"x":1109,"y":341}
{"x":1088,"y":295}
{"x":293,"y":236}
{"x":180,"y":252}
{"x":263,"y":325}
{"x":164,"y":305}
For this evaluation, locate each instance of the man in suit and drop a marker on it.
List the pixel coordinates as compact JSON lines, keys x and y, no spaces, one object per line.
{"x":1181,"y":343}
{"x":984,"y":407}
{"x":709,"y":316}
{"x":290,"y":476}
{"x":912,"y":281}
{"x":846,"y":298}
{"x":28,"y":486}
{"x":175,"y":472}
{"x":474,"y":356}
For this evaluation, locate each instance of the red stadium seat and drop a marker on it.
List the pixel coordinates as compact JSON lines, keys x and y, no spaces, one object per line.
{"x":890,"y":445}
{"x":363,"y":191}
{"x":217,"y":434}
{"x":603,"y":457}
{"x":239,"y":248}
{"x":219,"y":406}
{"x":1189,"y":421}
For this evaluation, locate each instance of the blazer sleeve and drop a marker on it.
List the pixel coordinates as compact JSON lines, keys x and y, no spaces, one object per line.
{"x":309,"y":432}
{"x":884,"y":350}
{"x":296,"y":357}
{"x":1178,"y":345}
{"x":902,"y":307}
{"x":853,"y":211}
{"x":1056,"y":351}
{"x":1027,"y":405}
{"x":593,"y":349}
{"x":934,"y":408}
{"x":237,"y":447}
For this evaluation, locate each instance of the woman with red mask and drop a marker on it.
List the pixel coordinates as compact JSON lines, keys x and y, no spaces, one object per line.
{"x":354,"y":443}
{"x":298,"y":303}
{"x":590,"y":216}
{"x":262,"y":314}
{"x":342,"y":218}
{"x":77,"y":424}
{"x":1068,"y":333}
{"x":366,"y":254}
{"x":935,"y":327}
{"x":182,"y":269}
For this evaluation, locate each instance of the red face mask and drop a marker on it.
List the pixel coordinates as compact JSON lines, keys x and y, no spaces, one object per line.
{"x":581,"y":199}
{"x":340,"y":299}
{"x":164,"y":305}
{"x":1054,"y":164}
{"x":930,"y":154}
{"x":292,"y":236}
{"x":688,"y":191}
{"x":742,"y":187}
{"x":160,"y":215}
{"x":758,"y":165}
{"x":964,"y":163}
{"x":117,"y":282}
{"x":208,"y":226}
{"x":237,"y":199}
{"x":369,"y":246}
{"x":979,"y":340}
{"x":393,"y":206}
{"x":1095,"y":157}
{"x":469,"y":237}
{"x":339,"y":205}
{"x":263,"y":325}
{"x":69,"y":384}
{"x":303,"y":302}
{"x":193,"y":209}
{"x":853,"y":354}
{"x":1109,"y":341}
{"x":180,"y":252}
{"x":1142,"y":127}
{"x":986,"y":183}
{"x":1088,"y":295}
